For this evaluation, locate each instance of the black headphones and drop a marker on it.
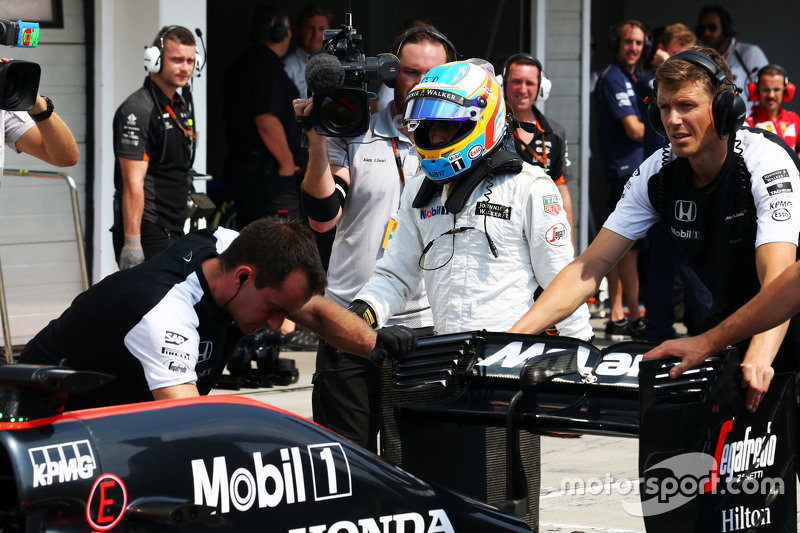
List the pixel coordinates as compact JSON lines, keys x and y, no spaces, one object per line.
{"x":395,"y":49}
{"x":728,"y":109}
{"x":278,"y":30}
{"x":544,"y":82}
{"x":613,"y":36}
{"x":725,"y":21}
{"x":243,"y":278}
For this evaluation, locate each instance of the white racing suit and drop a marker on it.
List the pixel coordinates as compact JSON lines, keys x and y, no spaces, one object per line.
{"x":468,"y":287}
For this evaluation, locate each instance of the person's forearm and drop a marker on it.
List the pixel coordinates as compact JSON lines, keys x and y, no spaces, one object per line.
{"x":58,"y":142}
{"x":318,"y":181}
{"x":339,"y":327}
{"x":773,"y":305}
{"x":273,"y":136}
{"x":60,"y":148}
{"x":132,"y":209}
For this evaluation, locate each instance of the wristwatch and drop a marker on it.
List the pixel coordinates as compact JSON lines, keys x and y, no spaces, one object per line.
{"x":44,"y":115}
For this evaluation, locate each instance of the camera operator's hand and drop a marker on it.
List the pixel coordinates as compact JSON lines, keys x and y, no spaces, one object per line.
{"x":131,"y":253}
{"x":302,"y":114}
{"x":394,"y":342}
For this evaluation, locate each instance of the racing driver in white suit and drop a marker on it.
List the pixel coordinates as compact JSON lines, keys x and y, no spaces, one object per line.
{"x":482,"y":227}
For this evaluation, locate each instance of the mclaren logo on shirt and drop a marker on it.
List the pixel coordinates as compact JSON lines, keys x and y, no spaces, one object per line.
{"x":685,"y":211}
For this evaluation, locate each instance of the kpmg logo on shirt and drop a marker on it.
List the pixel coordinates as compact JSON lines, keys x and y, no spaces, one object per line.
{"x":685,"y":211}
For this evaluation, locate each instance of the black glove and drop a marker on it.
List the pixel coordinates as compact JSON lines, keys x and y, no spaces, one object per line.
{"x":365,"y":311}
{"x":394,"y":342}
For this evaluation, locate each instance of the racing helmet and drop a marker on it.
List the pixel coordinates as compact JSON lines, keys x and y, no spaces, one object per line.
{"x":462,"y":91}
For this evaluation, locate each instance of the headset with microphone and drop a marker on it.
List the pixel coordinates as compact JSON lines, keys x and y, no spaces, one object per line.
{"x":728,"y":108}
{"x":153,"y":54}
{"x":544,"y":82}
{"x":788,"y":87}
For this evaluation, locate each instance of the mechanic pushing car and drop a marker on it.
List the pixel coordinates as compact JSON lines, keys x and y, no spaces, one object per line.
{"x":160,"y":328}
{"x":725,"y":193}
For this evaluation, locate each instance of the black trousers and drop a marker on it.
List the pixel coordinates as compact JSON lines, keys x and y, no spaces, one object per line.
{"x":347,"y":394}
{"x":155,"y":239}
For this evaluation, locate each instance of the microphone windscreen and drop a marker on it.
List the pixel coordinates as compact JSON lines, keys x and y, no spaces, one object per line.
{"x":324,"y":73}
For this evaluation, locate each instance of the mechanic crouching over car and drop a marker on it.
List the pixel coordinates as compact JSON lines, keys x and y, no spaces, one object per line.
{"x":484,"y":229}
{"x":164,"y":328}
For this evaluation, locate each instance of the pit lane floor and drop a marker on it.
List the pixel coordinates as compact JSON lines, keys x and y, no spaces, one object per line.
{"x":605,"y":465}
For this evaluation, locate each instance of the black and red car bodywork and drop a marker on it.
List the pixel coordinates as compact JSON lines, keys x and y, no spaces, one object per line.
{"x":218,"y":463}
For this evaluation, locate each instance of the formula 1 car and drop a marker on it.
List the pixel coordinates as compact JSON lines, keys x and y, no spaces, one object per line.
{"x":466,"y":414}
{"x":217,"y":463}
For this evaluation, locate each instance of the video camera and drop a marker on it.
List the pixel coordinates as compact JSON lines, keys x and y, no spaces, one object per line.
{"x":19,"y":80}
{"x":337,"y":78}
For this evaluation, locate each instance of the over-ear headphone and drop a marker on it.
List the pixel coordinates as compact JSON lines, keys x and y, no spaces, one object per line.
{"x":728,"y":109}
{"x":725,"y":21}
{"x":278,"y":30}
{"x":788,"y":87}
{"x":452,"y":53}
{"x":544,"y":82}
{"x":243,"y":278}
{"x":152,"y":54}
{"x":613,"y":36}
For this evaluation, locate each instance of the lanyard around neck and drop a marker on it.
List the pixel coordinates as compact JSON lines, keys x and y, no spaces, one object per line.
{"x":398,"y":162}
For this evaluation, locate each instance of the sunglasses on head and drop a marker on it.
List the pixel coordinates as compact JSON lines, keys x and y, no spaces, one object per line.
{"x":710,"y":27}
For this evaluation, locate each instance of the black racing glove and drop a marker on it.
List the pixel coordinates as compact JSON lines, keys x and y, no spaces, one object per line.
{"x":365,"y":311}
{"x":394,"y":342}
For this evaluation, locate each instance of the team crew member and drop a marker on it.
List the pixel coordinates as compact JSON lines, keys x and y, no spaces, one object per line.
{"x":154,"y":140}
{"x":265,"y":156}
{"x":620,"y":130}
{"x":310,"y":28}
{"x":481,"y":230}
{"x":771,"y":88}
{"x":725,"y":193}
{"x":540,"y":142}
{"x":354,"y":185}
{"x":715,"y":28}
{"x":160,"y":328}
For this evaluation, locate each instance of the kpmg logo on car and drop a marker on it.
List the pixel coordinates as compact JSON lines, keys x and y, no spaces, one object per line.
{"x":62,"y":463}
{"x":685,"y":211}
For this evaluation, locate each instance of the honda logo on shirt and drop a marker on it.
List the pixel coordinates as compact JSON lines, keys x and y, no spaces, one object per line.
{"x":685,"y":211}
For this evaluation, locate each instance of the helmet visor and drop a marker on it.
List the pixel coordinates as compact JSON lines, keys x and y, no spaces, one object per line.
{"x":438,"y":105}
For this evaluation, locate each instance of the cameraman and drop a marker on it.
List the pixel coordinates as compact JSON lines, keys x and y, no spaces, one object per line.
{"x":354,"y":184}
{"x":39,"y":132}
